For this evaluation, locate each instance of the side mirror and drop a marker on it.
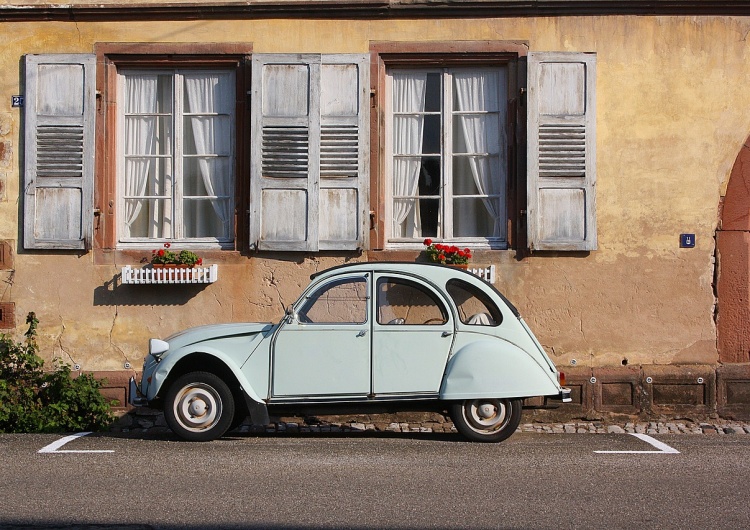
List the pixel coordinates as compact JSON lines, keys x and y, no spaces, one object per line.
{"x":290,"y":317}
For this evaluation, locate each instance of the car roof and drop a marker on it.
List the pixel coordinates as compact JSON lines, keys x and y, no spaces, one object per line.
{"x":429,"y":271}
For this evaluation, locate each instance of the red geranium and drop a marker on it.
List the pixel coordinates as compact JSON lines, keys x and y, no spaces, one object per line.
{"x":447,"y":254}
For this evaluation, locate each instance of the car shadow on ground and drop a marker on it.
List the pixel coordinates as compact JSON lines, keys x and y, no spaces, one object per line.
{"x":235,"y":435}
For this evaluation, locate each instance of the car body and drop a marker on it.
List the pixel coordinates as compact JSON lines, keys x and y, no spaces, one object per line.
{"x":365,"y":337}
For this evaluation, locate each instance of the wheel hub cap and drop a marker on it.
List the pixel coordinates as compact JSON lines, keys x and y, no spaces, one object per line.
{"x":486,"y":411}
{"x":197,"y":407}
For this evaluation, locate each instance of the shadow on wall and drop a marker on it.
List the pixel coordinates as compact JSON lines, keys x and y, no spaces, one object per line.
{"x":114,"y":293}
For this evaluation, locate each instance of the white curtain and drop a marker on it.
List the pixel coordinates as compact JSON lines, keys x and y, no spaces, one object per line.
{"x":478,"y":92}
{"x":408,"y":131}
{"x":205,"y":94}
{"x":139,"y":141}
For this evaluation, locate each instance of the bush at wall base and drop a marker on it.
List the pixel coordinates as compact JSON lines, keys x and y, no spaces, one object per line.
{"x":35,"y":400}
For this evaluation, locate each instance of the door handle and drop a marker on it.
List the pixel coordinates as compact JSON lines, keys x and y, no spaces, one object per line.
{"x":362,"y":333}
{"x":446,"y":334}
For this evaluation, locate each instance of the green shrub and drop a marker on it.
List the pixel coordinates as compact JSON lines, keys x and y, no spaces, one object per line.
{"x":32,"y":400}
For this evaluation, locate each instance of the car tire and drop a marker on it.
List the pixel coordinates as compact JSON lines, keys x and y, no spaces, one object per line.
{"x":199,"y":407}
{"x":486,"y":420}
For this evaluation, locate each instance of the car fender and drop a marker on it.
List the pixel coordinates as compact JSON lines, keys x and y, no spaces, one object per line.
{"x":206,"y":348}
{"x":496,"y":369}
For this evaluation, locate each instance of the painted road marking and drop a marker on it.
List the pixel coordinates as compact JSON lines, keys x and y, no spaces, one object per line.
{"x":55,"y":446}
{"x":662,"y":447}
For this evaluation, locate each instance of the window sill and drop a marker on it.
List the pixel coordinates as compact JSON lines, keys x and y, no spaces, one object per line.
{"x":150,"y":275}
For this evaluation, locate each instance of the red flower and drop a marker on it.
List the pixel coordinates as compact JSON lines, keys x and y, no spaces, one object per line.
{"x":199,"y":262}
{"x":161,"y":252}
{"x":441,"y":256}
{"x":428,"y":242}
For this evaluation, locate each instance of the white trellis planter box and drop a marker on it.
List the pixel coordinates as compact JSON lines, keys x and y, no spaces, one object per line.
{"x":150,"y":275}
{"x":485,"y":272}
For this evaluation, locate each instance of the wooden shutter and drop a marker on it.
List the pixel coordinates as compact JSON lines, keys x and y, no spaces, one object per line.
{"x":60,"y":107}
{"x":309,"y":173}
{"x":561,"y":151}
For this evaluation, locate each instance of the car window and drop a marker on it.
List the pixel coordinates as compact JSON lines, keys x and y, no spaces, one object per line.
{"x":402,"y":302}
{"x":474,"y":306}
{"x":338,"y":302}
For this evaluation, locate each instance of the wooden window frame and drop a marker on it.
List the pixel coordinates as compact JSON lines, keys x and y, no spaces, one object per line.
{"x":111,"y":57}
{"x":384,"y":55}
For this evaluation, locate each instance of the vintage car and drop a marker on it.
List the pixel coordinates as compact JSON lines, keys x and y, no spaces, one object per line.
{"x":366,"y":337}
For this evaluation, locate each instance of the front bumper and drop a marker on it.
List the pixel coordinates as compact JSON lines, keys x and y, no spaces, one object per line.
{"x":135,"y":397}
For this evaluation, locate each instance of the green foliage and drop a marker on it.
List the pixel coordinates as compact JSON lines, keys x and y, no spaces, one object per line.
{"x":32,"y":400}
{"x":164,"y":256}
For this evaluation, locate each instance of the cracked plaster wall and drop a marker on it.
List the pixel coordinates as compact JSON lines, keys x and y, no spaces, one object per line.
{"x":672,"y":113}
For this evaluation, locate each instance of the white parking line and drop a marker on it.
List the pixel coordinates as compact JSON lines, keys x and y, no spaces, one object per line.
{"x":662,"y":447}
{"x":55,"y":446}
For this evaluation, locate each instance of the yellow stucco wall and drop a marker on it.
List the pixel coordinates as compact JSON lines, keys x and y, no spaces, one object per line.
{"x":673,"y":109}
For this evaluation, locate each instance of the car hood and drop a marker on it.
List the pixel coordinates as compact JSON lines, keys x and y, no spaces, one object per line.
{"x":203,"y":333}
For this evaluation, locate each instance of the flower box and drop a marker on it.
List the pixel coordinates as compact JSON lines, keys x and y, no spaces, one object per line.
{"x":169,"y":275}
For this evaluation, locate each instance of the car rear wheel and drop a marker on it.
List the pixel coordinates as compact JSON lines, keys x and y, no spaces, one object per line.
{"x":486,"y":420}
{"x":199,"y":407}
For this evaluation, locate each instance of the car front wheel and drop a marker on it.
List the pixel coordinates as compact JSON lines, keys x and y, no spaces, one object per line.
{"x":486,"y":420}
{"x":199,"y":407}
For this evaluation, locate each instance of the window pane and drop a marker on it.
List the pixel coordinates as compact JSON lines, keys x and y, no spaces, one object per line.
{"x":404,"y":302}
{"x":476,"y":134}
{"x":474,"y":306}
{"x":471,"y":218}
{"x":478,"y":90}
{"x":419,"y":218}
{"x":433,"y":93}
{"x":463,"y":177}
{"x":204,"y":217}
{"x":204,"y":176}
{"x":148,"y":218}
{"x":432,"y":139}
{"x":208,"y":93}
{"x":207,"y":135}
{"x":340,"y":302}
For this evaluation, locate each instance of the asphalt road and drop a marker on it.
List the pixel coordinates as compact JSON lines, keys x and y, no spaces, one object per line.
{"x":377,"y":481}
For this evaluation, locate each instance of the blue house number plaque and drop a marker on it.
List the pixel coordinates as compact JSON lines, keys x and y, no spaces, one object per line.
{"x":687,"y":240}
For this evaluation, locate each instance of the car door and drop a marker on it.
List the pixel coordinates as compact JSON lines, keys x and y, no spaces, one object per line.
{"x":323,"y":349}
{"x":413,"y":332}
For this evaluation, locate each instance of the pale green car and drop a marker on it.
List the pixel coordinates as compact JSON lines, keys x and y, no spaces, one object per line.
{"x":366,"y":337}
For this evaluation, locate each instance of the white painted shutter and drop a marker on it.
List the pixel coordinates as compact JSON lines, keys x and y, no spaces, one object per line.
{"x":309,"y":171}
{"x":60,"y":108}
{"x":561,"y":151}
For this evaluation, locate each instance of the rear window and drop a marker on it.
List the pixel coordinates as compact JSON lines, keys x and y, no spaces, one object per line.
{"x":475,"y":308}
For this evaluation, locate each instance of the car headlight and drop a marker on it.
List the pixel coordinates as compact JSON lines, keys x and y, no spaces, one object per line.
{"x":157,"y":347}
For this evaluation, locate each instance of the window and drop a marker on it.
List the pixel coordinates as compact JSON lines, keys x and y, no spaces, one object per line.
{"x":404,"y":302}
{"x":474,"y":307}
{"x":483,"y":144}
{"x":447,"y":158}
{"x":339,"y":302}
{"x":176,"y":155}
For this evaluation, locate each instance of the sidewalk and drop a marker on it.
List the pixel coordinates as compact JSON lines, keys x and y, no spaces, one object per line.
{"x":152,"y":421}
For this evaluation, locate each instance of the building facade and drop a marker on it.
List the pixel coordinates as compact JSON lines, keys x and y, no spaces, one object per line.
{"x":592,"y":156}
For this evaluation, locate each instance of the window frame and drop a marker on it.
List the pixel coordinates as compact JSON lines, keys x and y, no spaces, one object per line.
{"x":447,"y":158}
{"x":389,"y":55}
{"x":111,"y":57}
{"x":177,"y":156}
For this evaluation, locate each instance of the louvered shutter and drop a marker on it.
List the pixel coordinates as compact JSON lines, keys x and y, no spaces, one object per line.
{"x":561,"y":151}
{"x":344,"y":148}
{"x":59,"y":125}
{"x":309,"y":144}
